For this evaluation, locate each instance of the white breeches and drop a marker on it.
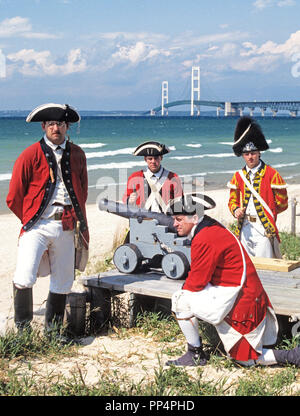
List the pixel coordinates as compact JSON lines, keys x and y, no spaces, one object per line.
{"x":254,"y":240}
{"x":46,"y":235}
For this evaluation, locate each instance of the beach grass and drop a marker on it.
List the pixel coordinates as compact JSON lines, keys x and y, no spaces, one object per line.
{"x":18,"y":354}
{"x":290,"y":246}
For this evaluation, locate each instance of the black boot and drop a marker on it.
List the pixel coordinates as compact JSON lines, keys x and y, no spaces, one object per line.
{"x":54,"y":316}
{"x":288,"y":356}
{"x":23,"y":306}
{"x":193,"y":357}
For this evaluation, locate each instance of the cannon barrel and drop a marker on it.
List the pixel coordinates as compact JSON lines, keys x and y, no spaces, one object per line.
{"x":130,"y":211}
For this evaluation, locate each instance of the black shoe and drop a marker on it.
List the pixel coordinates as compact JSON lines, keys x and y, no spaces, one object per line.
{"x":194,"y":356}
{"x":288,"y":356}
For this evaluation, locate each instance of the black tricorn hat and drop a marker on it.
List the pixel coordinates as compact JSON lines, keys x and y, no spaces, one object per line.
{"x":190,"y":204}
{"x":54,"y":112}
{"x":151,"y":149}
{"x":248,"y":136}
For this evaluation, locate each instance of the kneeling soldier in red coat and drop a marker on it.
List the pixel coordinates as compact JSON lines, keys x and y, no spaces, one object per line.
{"x":222,"y":288}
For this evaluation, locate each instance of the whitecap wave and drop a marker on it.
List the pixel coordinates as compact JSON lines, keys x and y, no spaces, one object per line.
{"x":5,"y":176}
{"x":91,"y":145}
{"x":124,"y":165}
{"x":125,"y":151}
{"x":218,"y":155}
{"x":284,"y":165}
{"x":194,"y":145}
{"x":276,"y":150}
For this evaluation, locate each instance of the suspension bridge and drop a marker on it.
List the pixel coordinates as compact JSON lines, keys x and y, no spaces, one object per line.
{"x":227,"y":108}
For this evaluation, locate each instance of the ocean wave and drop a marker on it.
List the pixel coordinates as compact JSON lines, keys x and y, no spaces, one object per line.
{"x":207,"y":173}
{"x":91,"y":145}
{"x":226,"y":143}
{"x":124,"y":165}
{"x":125,"y":151}
{"x":284,"y":165}
{"x":202,"y":156}
{"x":5,"y":176}
{"x":276,"y":150}
{"x":194,"y":145}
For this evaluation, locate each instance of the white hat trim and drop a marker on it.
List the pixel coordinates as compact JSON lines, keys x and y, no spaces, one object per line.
{"x":44,"y":106}
{"x":147,"y":146}
{"x":202,"y":201}
{"x":195,"y":199}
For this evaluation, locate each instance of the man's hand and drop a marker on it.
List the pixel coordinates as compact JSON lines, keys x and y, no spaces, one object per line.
{"x":132,"y":198}
{"x":239,"y":213}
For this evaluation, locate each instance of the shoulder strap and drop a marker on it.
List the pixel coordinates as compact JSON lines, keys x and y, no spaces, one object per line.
{"x":253,"y":191}
{"x":155,"y":195}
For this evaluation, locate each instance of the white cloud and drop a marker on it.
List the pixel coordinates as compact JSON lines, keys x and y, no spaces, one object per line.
{"x":215,"y":53}
{"x":270,"y":48}
{"x":248,"y":56}
{"x":264,"y":64}
{"x":21,"y":27}
{"x":127,"y":36}
{"x":262,"y":4}
{"x":139,"y":52}
{"x":32,"y":63}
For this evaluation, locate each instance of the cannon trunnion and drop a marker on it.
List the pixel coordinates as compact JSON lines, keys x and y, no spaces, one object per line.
{"x":152,"y":241}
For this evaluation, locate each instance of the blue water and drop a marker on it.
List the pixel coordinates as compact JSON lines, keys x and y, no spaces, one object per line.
{"x":200,"y":147}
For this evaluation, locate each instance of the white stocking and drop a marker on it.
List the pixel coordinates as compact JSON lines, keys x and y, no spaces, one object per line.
{"x":189,"y":328}
{"x":267,"y":357}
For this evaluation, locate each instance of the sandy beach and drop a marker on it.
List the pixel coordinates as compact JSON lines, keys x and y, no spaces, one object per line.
{"x":106,"y":352}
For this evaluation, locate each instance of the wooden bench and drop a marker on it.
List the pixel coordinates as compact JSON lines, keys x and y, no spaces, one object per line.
{"x":283,"y":289}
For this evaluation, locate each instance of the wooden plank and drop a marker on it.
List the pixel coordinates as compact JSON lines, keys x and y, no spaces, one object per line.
{"x":151,"y":284}
{"x":284,"y":303}
{"x":281,"y":280}
{"x":283,"y":291}
{"x":282,"y":265}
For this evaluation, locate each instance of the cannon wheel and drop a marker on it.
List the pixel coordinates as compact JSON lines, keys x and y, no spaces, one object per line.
{"x":175,"y":265}
{"x":127,"y":258}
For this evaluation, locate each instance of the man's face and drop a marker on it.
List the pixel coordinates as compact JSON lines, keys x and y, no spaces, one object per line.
{"x":184,"y":224}
{"x":55,"y":131}
{"x":251,"y":158}
{"x":153,"y":163}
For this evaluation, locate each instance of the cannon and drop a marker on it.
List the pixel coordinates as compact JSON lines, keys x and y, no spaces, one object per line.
{"x":152,"y":236}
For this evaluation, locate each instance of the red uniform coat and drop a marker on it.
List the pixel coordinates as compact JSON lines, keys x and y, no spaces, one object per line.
{"x":272,"y":189}
{"x":32,"y":186}
{"x":216,"y":259}
{"x":137,"y":183}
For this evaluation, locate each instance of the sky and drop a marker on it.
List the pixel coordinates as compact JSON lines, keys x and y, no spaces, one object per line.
{"x":115,"y":54}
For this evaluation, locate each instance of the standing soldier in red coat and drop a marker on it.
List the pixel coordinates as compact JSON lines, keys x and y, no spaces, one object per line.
{"x":257,"y":193}
{"x":153,"y":188}
{"x":223,"y":289}
{"x":48,"y":193}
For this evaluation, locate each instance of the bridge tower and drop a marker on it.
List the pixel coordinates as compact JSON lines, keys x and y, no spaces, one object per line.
{"x":164,"y":97}
{"x":195,"y":89}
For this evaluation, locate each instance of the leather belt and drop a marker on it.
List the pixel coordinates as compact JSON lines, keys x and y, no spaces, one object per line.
{"x":251,"y":218}
{"x":57,"y":216}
